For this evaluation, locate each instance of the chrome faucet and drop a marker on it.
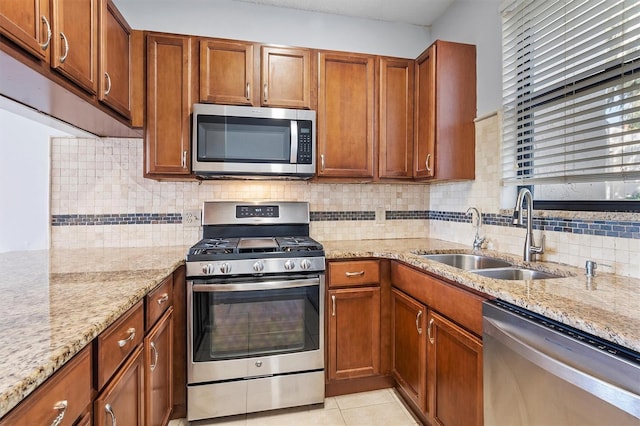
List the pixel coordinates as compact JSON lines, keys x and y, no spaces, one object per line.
{"x":530,"y":247}
{"x":477,"y":241}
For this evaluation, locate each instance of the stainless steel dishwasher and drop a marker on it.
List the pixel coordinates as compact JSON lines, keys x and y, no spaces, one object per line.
{"x":541,"y":372}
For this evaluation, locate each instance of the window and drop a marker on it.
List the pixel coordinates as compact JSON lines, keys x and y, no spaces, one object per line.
{"x":571,"y":97}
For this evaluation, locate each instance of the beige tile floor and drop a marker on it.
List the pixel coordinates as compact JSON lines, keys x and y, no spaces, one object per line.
{"x":382,"y":407}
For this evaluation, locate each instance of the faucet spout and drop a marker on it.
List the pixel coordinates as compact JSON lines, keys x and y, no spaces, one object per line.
{"x":477,"y":241}
{"x":530,"y":247}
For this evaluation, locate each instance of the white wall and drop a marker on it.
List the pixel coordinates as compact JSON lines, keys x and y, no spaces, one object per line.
{"x":477,"y":22}
{"x":24,"y":183}
{"x":268,"y":24}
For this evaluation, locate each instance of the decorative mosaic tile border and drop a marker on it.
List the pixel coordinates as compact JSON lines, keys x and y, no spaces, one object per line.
{"x":608,"y":228}
{"x":115,"y":219}
{"x":349,"y":215}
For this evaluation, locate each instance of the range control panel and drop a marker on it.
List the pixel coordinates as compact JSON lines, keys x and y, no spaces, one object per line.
{"x":257,"y":211}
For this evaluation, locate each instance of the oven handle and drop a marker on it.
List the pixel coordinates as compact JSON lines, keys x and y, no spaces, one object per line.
{"x":251,"y":286}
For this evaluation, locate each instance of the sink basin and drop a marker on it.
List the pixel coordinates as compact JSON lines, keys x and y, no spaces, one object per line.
{"x":467,"y":262}
{"x":516,"y":274}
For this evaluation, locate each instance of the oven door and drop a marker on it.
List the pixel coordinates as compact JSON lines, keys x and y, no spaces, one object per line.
{"x":255,"y":326}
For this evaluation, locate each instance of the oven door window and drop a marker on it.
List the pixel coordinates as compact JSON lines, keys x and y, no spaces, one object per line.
{"x":241,"y":324}
{"x":240,"y":139}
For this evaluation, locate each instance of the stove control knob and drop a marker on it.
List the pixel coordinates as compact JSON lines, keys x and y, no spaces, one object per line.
{"x":207,"y":269}
{"x":225,"y":268}
{"x":305,"y":264}
{"x":258,"y":266}
{"x":289,"y":265}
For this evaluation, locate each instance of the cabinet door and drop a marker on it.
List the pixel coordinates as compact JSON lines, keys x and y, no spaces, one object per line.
{"x":75,"y":41}
{"x":27,"y":23}
{"x":226,"y":72}
{"x":286,"y":77}
{"x":167,"y":130}
{"x":346,"y":115}
{"x":409,"y":345}
{"x":455,"y":374}
{"x":396,"y":118}
{"x":158,"y":363}
{"x":122,"y":401}
{"x":115,"y":59}
{"x":424,"y":159}
{"x":354,"y":333}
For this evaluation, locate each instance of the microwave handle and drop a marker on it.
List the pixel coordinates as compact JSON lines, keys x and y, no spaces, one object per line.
{"x":294,"y":142}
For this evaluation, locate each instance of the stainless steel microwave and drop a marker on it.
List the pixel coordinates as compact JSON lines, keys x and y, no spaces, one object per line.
{"x":251,"y":142}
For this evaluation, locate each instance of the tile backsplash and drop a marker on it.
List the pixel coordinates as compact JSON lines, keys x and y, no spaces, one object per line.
{"x":100,"y":199}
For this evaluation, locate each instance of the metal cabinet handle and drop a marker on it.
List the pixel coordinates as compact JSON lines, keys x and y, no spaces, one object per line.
{"x":322,"y":162}
{"x":109,"y":410}
{"x":108,"y":77}
{"x":248,"y":91}
{"x":184,"y":159}
{"x":132,"y":335}
{"x":45,"y":45}
{"x":431,"y":339}
{"x":418,"y":322}
{"x":163,"y":299}
{"x":265,"y":92}
{"x":426,"y":163}
{"x":333,"y":305}
{"x":155,"y":356}
{"x":66,"y":47}
{"x":61,"y":406}
{"x":354,"y":274}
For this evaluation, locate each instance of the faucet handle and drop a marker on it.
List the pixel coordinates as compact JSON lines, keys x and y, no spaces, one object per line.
{"x":538,"y":249}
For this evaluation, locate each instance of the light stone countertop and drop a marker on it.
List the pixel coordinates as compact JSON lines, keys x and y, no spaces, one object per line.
{"x":53,"y":303}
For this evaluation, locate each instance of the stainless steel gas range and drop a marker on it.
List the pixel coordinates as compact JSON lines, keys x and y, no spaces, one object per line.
{"x":255,"y":296}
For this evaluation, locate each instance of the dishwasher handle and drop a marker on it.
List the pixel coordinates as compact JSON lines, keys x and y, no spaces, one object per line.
{"x":609,"y":392}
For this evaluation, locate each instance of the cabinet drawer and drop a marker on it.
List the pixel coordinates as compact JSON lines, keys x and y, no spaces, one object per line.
{"x":354,"y":273}
{"x":158,"y":300}
{"x":118,"y":341}
{"x":70,"y":387}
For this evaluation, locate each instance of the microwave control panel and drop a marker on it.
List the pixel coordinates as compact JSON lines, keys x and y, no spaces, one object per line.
{"x":305,"y":144}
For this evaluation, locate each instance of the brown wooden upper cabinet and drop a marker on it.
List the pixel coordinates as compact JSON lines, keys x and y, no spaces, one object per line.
{"x":75,"y":41}
{"x":445,"y":100}
{"x":346,"y":115}
{"x":115,"y":59}
{"x":395,"y":143}
{"x":170,"y":83}
{"x":28,"y":24}
{"x":243,"y":73}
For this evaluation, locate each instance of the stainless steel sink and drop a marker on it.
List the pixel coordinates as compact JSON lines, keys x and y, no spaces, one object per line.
{"x":467,"y":262}
{"x":514,"y":273}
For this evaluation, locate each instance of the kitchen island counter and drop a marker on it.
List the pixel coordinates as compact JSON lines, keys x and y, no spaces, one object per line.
{"x":55,"y":302}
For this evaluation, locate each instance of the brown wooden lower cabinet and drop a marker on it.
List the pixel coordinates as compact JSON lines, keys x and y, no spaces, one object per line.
{"x":354,"y":333}
{"x":158,"y":350}
{"x":122,"y":402}
{"x":455,"y":374}
{"x":409,"y":346}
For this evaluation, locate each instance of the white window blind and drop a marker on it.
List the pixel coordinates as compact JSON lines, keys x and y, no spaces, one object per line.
{"x":571,"y":91}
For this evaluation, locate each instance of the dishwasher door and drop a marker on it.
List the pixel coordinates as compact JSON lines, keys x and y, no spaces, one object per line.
{"x":540,"y":372}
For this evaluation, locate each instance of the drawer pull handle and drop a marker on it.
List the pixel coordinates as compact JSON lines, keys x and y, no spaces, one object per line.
{"x":155,"y":356}
{"x":333,"y":305}
{"x":109,"y":410}
{"x":66,"y":48}
{"x":418,"y":322}
{"x":354,"y":274}
{"x":163,"y":299}
{"x":132,"y":335}
{"x":431,"y":339}
{"x":61,"y":406}
{"x":44,"y":45}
